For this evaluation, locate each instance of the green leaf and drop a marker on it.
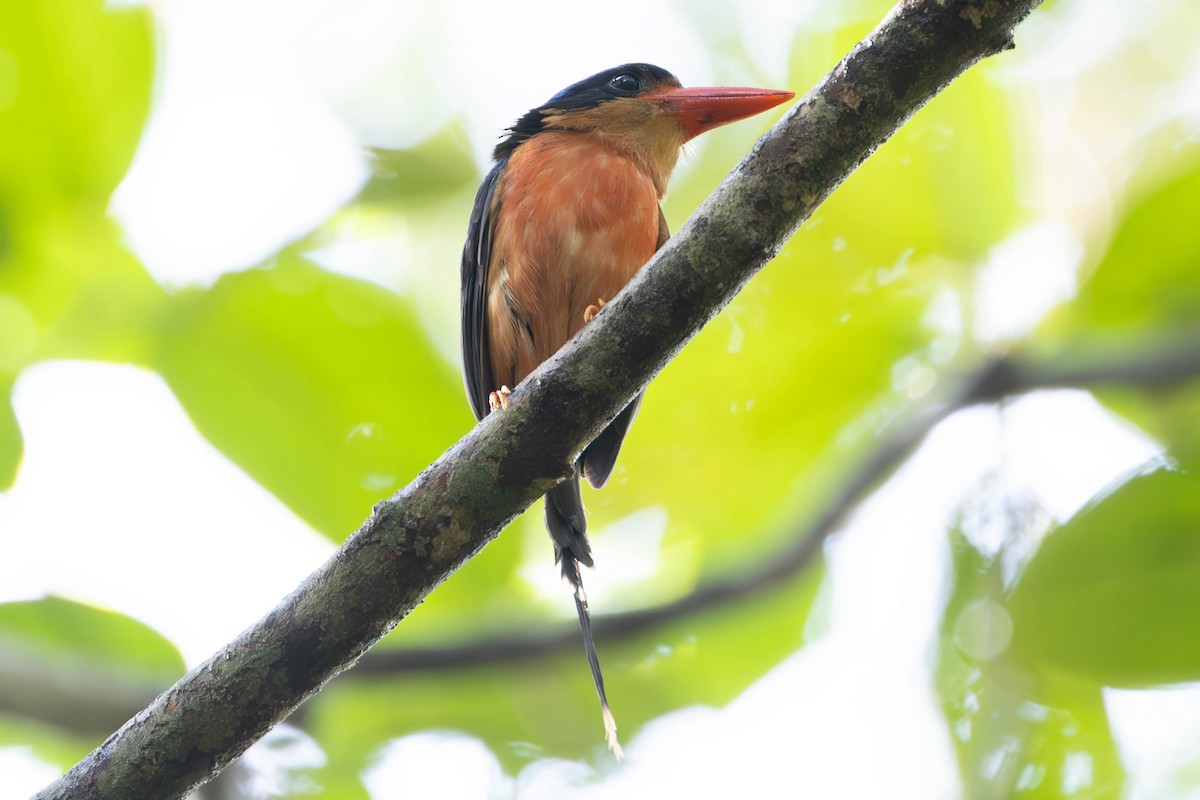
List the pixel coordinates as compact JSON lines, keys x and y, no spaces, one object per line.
{"x":51,"y":744}
{"x":68,"y":290}
{"x":1110,"y":595}
{"x":11,"y":444}
{"x":63,"y":631}
{"x":78,"y":666}
{"x":1145,"y":291}
{"x":942,"y":187}
{"x":75,"y":81}
{"x":323,"y":388}
{"x":75,"y":84}
{"x":439,"y":166}
{"x":1150,"y":274}
{"x":1017,"y":733}
{"x":1168,"y":414}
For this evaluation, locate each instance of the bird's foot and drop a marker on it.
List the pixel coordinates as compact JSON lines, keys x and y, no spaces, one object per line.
{"x":591,"y":311}
{"x":499,"y":399}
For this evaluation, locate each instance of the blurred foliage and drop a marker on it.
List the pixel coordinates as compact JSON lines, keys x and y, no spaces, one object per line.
{"x":80,"y":669}
{"x":75,"y":85}
{"x":1017,"y":733}
{"x":1146,"y":284}
{"x":1149,"y":274}
{"x":332,"y":414}
{"x":77,"y":96}
{"x":1110,"y":593}
{"x":438,"y":166}
{"x":333,"y":393}
{"x":63,"y":631}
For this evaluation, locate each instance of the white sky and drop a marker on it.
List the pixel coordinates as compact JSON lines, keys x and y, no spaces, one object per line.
{"x":255,"y":146}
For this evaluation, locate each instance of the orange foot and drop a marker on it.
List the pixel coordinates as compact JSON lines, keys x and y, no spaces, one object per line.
{"x":499,"y":399}
{"x":591,"y":311}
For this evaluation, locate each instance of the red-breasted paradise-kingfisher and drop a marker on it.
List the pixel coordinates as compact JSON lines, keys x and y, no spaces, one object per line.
{"x":566,"y":216}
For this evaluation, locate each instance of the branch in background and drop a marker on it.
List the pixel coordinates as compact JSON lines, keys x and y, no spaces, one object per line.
{"x":1163,"y":363}
{"x":414,"y":540}
{"x":1166,"y":360}
{"x":1157,"y":363}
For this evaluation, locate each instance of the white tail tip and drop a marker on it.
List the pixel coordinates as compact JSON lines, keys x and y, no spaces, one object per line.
{"x":610,"y":734}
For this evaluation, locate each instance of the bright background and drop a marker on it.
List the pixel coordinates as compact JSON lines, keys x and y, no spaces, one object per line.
{"x":229,"y":240}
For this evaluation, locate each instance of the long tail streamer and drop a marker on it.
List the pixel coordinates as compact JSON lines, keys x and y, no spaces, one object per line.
{"x":571,"y":570}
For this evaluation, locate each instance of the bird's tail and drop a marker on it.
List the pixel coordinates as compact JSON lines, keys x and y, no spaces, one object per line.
{"x":567,"y":525}
{"x":571,"y":571}
{"x":568,"y":529}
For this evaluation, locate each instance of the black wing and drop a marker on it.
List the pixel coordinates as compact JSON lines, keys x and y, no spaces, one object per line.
{"x":477,"y":253}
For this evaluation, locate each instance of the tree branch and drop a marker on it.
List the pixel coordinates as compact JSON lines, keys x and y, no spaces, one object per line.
{"x":414,"y":540}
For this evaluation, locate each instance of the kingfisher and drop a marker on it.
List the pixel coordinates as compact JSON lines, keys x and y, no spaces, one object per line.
{"x":566,"y":216}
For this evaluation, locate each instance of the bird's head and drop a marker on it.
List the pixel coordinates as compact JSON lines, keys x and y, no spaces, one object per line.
{"x":643,"y":111}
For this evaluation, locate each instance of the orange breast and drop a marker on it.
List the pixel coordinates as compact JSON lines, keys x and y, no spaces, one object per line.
{"x":575,"y":221}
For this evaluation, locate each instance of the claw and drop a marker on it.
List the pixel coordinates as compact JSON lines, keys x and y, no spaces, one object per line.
{"x":499,"y":399}
{"x":591,"y":311}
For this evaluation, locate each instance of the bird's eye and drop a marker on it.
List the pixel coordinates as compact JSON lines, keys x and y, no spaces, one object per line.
{"x":626,"y":83}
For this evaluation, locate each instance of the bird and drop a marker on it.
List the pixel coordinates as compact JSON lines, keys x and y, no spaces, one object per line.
{"x":568,"y":213}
